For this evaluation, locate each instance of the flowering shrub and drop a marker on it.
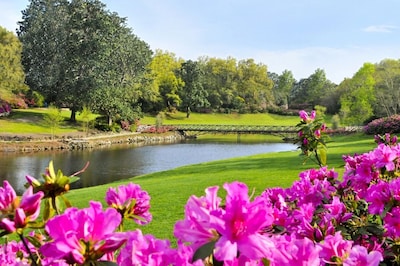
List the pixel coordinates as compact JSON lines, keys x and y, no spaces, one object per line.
{"x":5,"y":109}
{"x":320,"y":220}
{"x":311,"y":137}
{"x":383,"y":125}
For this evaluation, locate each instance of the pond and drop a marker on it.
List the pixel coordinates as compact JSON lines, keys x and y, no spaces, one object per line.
{"x":125,"y":161}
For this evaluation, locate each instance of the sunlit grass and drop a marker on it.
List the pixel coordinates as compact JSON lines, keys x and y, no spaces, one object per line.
{"x":31,"y":121}
{"x":171,"y":189}
{"x":225,"y":119}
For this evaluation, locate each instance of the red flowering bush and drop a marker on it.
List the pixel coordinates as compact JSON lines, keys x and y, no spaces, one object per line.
{"x":383,"y":125}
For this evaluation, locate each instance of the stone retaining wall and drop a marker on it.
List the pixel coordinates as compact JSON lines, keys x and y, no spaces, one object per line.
{"x":29,"y":144}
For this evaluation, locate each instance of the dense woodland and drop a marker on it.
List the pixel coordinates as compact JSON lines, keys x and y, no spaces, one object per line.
{"x":77,"y":54}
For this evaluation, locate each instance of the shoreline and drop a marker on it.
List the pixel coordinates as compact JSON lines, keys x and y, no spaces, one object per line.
{"x":14,"y":143}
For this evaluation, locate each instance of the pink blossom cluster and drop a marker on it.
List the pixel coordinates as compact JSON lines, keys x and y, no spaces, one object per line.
{"x":383,"y":125}
{"x":320,"y":220}
{"x":311,"y":137}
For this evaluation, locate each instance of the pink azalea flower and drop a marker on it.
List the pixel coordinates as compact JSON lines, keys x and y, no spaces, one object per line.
{"x":196,"y":228}
{"x":131,"y":202}
{"x":335,"y":246}
{"x":378,"y":195}
{"x":7,"y":197}
{"x":240,"y":226}
{"x":13,"y":253}
{"x":293,"y":251}
{"x":359,"y":256}
{"x":84,"y":235}
{"x":147,"y":250}
{"x":336,"y":210}
{"x":18,"y":214}
{"x":391,"y":223}
{"x":384,"y":157}
{"x":305,"y":117}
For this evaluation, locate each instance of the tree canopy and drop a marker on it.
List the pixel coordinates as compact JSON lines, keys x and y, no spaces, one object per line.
{"x":12,"y":76}
{"x":76,"y":53}
{"x":72,"y":48}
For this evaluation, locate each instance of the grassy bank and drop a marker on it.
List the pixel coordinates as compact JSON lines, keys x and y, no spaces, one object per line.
{"x":171,"y":189}
{"x":31,"y":121}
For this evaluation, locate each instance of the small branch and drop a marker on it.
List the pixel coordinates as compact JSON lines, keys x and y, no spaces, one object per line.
{"x":27,"y":249}
{"x":82,"y":170}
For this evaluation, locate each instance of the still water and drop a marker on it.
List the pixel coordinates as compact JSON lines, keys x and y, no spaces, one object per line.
{"x":120,"y":162}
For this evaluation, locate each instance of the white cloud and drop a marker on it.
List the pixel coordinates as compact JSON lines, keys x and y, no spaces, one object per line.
{"x":380,"y":28}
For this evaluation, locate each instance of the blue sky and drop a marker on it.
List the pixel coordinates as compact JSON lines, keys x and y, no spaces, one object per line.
{"x":301,"y":36}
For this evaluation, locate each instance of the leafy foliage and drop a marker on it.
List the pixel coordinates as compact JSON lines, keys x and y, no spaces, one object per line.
{"x":12,"y":76}
{"x":73,"y":48}
{"x":383,"y":125}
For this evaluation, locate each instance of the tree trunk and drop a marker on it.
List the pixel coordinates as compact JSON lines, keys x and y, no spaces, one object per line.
{"x":188,"y":112}
{"x":109,"y":121}
{"x":73,"y":115}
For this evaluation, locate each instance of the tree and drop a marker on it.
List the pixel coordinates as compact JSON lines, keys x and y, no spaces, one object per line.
{"x":43,"y":34}
{"x":358,"y":99}
{"x":72,"y":48}
{"x":53,"y":119}
{"x":115,"y":103}
{"x":254,"y":85}
{"x":311,"y":91}
{"x":387,"y":87}
{"x":12,"y":76}
{"x":163,"y":71}
{"x":283,"y":84}
{"x":192,"y":94}
{"x":220,"y":81}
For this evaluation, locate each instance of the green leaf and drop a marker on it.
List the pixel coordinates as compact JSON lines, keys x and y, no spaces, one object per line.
{"x":36,"y":225}
{"x":73,"y":179}
{"x":47,"y":211}
{"x":323,"y":155}
{"x":51,"y":170}
{"x":34,"y":241}
{"x":66,"y":202}
{"x":104,"y":263}
{"x":204,"y":251}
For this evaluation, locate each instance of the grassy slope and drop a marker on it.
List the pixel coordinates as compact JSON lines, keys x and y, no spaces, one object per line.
{"x":171,"y":189}
{"x":30,"y":121}
{"x":225,"y":119}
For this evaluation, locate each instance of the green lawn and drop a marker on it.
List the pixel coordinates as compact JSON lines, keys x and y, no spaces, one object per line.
{"x":30,"y":121}
{"x":225,"y":119}
{"x":170,"y":190}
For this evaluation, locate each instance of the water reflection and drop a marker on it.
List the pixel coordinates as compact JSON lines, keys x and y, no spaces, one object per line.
{"x":124,"y":161}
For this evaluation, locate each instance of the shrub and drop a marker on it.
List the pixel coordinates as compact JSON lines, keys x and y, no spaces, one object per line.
{"x":383,"y":125}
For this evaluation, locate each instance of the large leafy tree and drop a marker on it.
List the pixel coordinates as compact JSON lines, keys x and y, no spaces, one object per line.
{"x":72,"y":48}
{"x":220,"y":81}
{"x":283,"y":84}
{"x":192,"y":94}
{"x":12,"y":76}
{"x":311,"y":91}
{"x":359,"y":96}
{"x":387,"y":87}
{"x":254,"y":85}
{"x":44,"y":34}
{"x":165,"y":82}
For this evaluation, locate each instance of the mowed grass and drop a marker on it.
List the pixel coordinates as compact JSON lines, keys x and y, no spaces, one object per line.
{"x":31,"y":121}
{"x":170,"y":190}
{"x":224,"y":119}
